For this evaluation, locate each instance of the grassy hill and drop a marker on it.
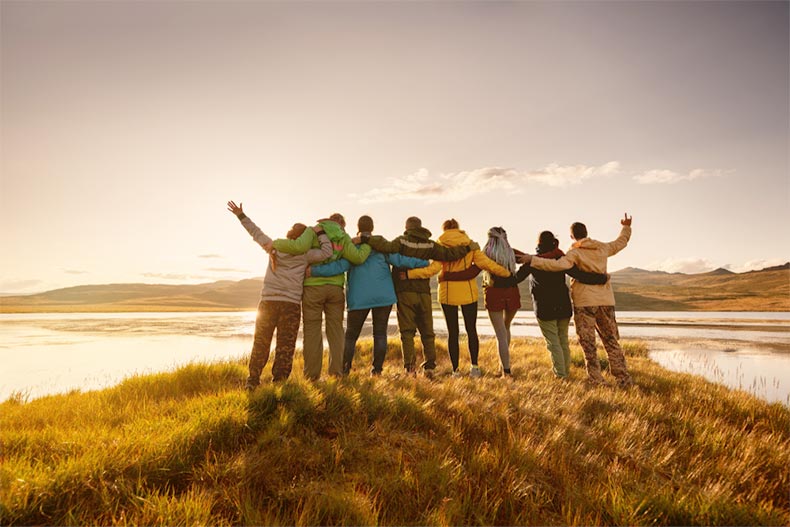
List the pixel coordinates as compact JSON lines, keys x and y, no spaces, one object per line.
{"x":635,"y":290}
{"x":190,"y":447}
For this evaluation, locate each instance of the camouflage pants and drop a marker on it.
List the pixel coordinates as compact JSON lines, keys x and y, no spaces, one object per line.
{"x":601,"y":318}
{"x":285,"y":318}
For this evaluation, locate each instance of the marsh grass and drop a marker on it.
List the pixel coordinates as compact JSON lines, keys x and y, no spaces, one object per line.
{"x":190,"y":447}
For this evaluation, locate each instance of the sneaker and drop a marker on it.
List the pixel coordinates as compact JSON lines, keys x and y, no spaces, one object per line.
{"x":411,"y":371}
{"x":375,"y":373}
{"x":428,"y":373}
{"x":474,"y":371}
{"x":456,"y":374}
{"x":507,"y":374}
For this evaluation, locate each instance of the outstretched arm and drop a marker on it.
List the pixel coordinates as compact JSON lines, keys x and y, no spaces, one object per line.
{"x":380,"y":244}
{"x":352,"y":253}
{"x":460,"y":276}
{"x":298,"y":246}
{"x":406,"y":262}
{"x":425,"y":272}
{"x":331,"y":269}
{"x":257,"y":234}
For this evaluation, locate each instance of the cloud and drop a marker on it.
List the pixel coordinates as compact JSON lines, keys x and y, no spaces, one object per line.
{"x":683,"y":265}
{"x":209,"y":256}
{"x":660,"y":176}
{"x":74,"y":271}
{"x":462,"y":185}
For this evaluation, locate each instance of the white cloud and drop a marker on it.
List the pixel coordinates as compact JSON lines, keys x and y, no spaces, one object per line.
{"x":683,"y":265}
{"x":463,"y":185}
{"x":660,"y":176}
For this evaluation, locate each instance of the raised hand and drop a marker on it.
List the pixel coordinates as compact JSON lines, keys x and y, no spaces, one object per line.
{"x":626,"y":222}
{"x":235,"y":209}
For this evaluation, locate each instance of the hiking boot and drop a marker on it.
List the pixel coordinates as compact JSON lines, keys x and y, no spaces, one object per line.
{"x":456,"y":374}
{"x":475,"y":372}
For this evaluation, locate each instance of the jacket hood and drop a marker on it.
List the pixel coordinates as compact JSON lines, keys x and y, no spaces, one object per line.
{"x":420,"y":233}
{"x":454,"y":238}
{"x":333,"y":230}
{"x":587,"y":243}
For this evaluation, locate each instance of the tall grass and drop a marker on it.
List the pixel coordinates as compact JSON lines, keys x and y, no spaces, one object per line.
{"x":191,"y":448}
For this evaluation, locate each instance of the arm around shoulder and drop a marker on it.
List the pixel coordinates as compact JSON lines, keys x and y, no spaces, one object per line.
{"x":298,"y":246}
{"x":425,"y":272}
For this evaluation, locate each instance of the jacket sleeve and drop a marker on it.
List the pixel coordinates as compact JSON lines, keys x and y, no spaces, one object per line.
{"x":448,"y":254}
{"x":484,"y":262}
{"x":331,"y":269}
{"x":460,"y":276}
{"x":586,"y":277}
{"x":549,"y":264}
{"x":298,"y":246}
{"x":523,"y":272}
{"x":380,"y":244}
{"x":256,"y":233}
{"x":425,"y":272}
{"x":322,"y":253}
{"x":352,"y":253}
{"x":407,"y":262}
{"x":621,"y":241}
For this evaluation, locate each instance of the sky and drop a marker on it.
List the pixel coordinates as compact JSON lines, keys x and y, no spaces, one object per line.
{"x":125,"y":127}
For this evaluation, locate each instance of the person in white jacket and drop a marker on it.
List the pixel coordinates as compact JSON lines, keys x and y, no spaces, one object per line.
{"x":593,"y":305}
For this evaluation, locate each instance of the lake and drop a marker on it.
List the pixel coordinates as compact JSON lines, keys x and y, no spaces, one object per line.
{"x":53,"y":352}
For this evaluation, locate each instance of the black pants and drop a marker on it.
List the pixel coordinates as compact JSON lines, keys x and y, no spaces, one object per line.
{"x":469,"y":312}
{"x":354,"y":322}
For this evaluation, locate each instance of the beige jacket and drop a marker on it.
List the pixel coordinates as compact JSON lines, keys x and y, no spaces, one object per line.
{"x":588,"y":255}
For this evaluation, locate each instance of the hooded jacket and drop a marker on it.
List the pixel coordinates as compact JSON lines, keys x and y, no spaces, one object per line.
{"x":285,"y":283}
{"x":342,"y":247}
{"x":418,"y":244}
{"x":369,"y":284}
{"x":459,"y":293}
{"x":588,"y":255}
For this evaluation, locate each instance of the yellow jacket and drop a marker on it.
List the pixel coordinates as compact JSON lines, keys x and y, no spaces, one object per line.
{"x":588,"y":255}
{"x":465,"y":292}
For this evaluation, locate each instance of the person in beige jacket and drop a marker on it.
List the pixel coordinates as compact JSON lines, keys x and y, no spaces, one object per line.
{"x":593,"y":305}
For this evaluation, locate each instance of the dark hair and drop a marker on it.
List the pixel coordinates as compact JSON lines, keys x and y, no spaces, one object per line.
{"x":413,"y":222}
{"x":365,"y":224}
{"x":579,"y":231}
{"x":296,"y":231}
{"x":452,"y":223}
{"x":339,"y":219}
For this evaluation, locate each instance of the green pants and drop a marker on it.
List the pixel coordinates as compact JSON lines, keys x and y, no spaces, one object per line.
{"x":415,"y":312}
{"x":556,"y":334}
{"x":318,"y":300}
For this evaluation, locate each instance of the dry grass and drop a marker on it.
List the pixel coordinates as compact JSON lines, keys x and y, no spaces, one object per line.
{"x":191,"y":448}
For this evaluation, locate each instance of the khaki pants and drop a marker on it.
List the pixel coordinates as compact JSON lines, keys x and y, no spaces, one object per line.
{"x":415,"y":311}
{"x":556,"y":334}
{"x":588,"y":319}
{"x":318,"y":300}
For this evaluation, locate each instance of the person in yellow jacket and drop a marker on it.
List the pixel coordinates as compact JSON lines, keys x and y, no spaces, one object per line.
{"x":460,"y":293}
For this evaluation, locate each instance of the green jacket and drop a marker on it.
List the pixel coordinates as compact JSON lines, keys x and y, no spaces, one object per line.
{"x":417,"y":243}
{"x":342,"y":247}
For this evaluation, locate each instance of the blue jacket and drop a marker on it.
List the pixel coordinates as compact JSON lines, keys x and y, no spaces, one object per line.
{"x":370,"y":283}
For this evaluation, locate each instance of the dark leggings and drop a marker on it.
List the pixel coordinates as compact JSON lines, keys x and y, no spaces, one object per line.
{"x":469,"y":312}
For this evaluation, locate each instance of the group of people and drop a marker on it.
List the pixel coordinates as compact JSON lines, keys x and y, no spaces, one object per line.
{"x":306,"y":278}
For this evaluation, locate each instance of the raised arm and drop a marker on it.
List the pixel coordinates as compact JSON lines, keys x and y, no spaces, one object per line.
{"x":625,"y":234}
{"x":331,"y":269}
{"x":298,"y":246}
{"x":257,"y":234}
{"x":586,"y":277}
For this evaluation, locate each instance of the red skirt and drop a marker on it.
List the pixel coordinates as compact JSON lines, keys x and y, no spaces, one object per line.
{"x":502,"y":298}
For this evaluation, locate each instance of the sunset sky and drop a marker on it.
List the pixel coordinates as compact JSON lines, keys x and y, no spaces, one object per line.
{"x":127,"y":126}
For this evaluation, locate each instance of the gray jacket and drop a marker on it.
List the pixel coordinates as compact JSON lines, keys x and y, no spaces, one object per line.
{"x":283,"y":282}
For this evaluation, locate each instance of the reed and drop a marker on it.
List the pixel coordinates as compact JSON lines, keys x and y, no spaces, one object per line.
{"x":190,"y":447}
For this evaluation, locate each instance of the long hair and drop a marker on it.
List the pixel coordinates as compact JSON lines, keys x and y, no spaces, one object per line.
{"x":498,"y":249}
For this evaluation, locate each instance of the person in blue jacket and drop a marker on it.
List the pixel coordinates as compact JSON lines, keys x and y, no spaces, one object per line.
{"x":370,"y":287}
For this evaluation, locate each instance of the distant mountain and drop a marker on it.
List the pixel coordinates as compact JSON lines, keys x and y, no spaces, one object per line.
{"x":635,"y":290}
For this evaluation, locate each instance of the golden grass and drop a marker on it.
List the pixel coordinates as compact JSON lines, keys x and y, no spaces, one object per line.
{"x":189,"y":447}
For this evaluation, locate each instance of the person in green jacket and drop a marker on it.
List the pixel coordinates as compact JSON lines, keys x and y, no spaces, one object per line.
{"x":324,"y":296}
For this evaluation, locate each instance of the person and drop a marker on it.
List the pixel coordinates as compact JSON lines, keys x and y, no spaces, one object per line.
{"x":324,"y":296}
{"x":463,"y":294}
{"x":415,"y":310}
{"x":503,"y":299}
{"x":593,"y":305}
{"x":370,"y":288}
{"x":281,"y":297}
